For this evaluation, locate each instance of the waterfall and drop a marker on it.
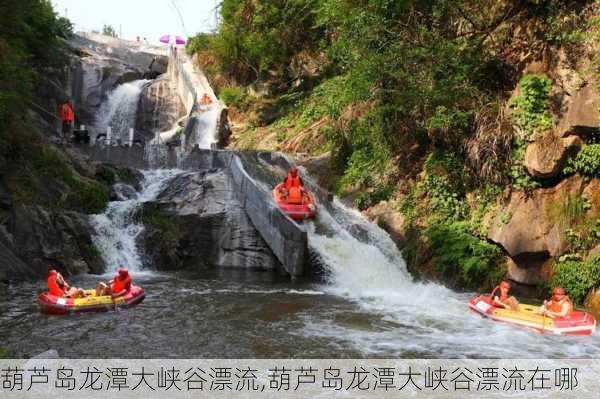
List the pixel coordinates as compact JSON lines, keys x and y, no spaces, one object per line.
{"x":116,"y":230}
{"x":207,"y":126}
{"x":119,"y":110}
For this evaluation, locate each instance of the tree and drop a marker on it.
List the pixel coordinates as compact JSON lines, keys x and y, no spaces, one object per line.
{"x":108,"y":30}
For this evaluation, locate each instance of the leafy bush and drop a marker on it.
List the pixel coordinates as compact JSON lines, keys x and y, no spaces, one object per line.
{"x":532,"y":105}
{"x":578,"y":278}
{"x":443,"y":186}
{"x":586,"y":162}
{"x":234,"y":96}
{"x":462,"y":256}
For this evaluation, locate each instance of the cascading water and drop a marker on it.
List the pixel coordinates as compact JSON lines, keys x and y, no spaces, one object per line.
{"x":116,"y":230}
{"x":119,"y":110}
{"x":207,"y":128}
{"x":417,"y":319}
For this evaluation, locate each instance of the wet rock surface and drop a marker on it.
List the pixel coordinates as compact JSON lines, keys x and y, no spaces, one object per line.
{"x":43,"y":238}
{"x":159,"y":108}
{"x":101,"y":67}
{"x":197,"y":220}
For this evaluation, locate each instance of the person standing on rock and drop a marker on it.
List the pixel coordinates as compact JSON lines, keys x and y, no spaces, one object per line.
{"x":67,"y":116}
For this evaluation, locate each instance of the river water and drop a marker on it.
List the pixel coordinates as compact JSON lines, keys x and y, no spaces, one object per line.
{"x":368,"y":306}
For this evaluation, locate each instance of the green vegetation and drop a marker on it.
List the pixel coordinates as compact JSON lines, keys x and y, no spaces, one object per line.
{"x":462,"y":257}
{"x":410,"y":99}
{"x":234,"y":96}
{"x":170,"y":232}
{"x":586,"y":162}
{"x":41,"y":175}
{"x":532,"y":105}
{"x":578,"y":278}
{"x":108,"y":30}
{"x":31,"y":44}
{"x":5,"y":354}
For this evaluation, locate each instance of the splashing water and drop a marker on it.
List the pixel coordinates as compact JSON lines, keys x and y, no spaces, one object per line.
{"x":417,"y":319}
{"x":120,"y":108}
{"x":116,"y":231}
{"x":207,"y":127}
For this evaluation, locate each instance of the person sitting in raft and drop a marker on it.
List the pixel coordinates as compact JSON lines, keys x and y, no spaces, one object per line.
{"x":559,"y":305}
{"x":293,"y":186}
{"x":57,"y":286}
{"x":504,"y":300}
{"x":119,"y":286}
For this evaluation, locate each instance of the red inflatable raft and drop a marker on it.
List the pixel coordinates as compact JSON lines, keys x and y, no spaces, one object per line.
{"x":306,"y":208}
{"x":578,"y":323}
{"x":91,"y":303}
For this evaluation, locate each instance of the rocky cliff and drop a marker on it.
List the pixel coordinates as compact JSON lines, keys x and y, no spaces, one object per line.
{"x":197,"y":220}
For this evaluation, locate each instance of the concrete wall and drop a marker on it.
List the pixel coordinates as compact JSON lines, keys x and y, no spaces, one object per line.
{"x":287,"y":239}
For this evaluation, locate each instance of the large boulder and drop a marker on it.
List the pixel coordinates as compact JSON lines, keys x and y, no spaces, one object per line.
{"x":159,"y":108}
{"x":529,"y":227}
{"x":42,"y":237}
{"x":545,"y":157}
{"x":390,"y":219}
{"x":197,"y":220}
{"x":583,"y":112}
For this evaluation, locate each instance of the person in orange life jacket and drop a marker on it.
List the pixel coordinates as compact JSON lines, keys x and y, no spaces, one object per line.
{"x":67,"y":116}
{"x":559,"y":305}
{"x":57,"y":286}
{"x":119,"y":286}
{"x":504,"y":300}
{"x":293,"y":186}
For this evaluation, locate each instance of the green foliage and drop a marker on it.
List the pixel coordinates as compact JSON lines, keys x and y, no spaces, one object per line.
{"x":532,"y":105}
{"x":578,"y":278}
{"x":5,"y":353}
{"x":572,"y":209}
{"x":41,"y":175}
{"x":443,"y":186}
{"x":170,"y":232}
{"x":583,"y":236}
{"x":461,"y":256}
{"x":31,"y":43}
{"x":367,"y":199}
{"x":235,"y":96}
{"x":257,"y":37}
{"x":108,"y":30}
{"x":586,"y":162}
{"x":520,"y":179}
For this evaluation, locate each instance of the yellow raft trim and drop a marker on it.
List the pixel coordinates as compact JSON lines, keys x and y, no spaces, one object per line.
{"x":526,"y":313}
{"x":94,"y":300}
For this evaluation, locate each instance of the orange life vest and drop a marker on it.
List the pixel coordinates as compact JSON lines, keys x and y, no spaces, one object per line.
{"x":119,"y":284}
{"x":54,"y":288}
{"x":66,"y":112}
{"x":294,"y":195}
{"x":291,"y":181}
{"x":556,"y":306}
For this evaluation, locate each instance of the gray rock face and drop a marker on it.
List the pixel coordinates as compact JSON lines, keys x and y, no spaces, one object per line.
{"x":101,"y":67}
{"x":121,"y":192}
{"x":159,"y":108}
{"x":582,"y":116}
{"x":198,"y":220}
{"x":42,"y":238}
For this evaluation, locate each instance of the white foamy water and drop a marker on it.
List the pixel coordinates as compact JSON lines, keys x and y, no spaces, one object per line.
{"x":207,"y":129}
{"x":119,"y":110}
{"x":413,"y":319}
{"x":116,"y":231}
